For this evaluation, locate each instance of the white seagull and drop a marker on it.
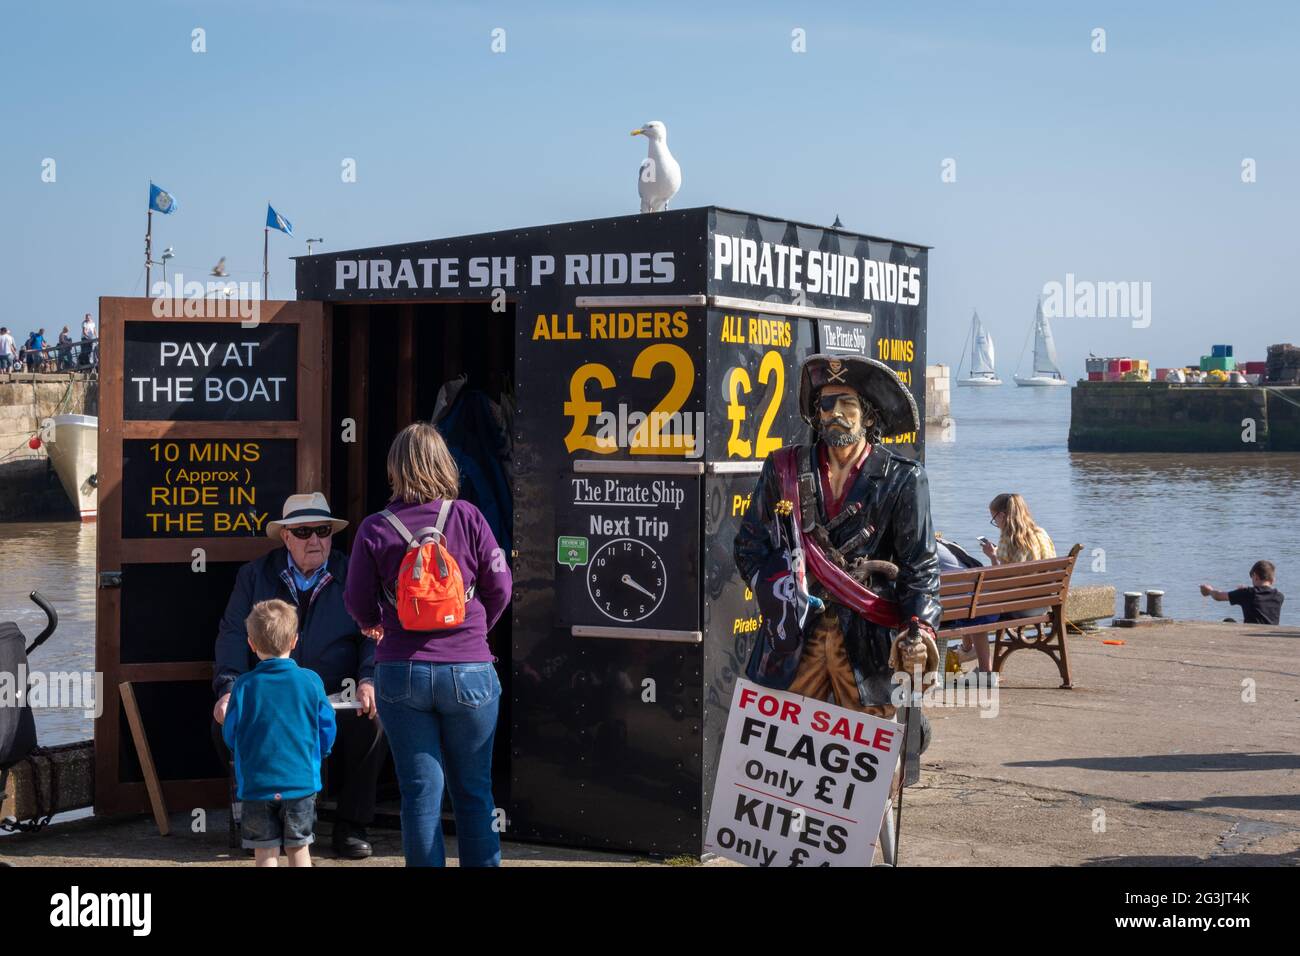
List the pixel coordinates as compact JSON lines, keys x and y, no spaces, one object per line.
{"x":659,"y":177}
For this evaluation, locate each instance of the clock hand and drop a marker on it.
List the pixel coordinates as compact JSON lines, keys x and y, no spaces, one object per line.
{"x":627,"y":579}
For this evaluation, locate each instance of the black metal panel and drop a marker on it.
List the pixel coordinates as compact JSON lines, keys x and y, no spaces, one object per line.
{"x":629,"y":551}
{"x":210,"y":372}
{"x":730,"y":615}
{"x":596,"y":760}
{"x":752,"y":409}
{"x":753,"y":388}
{"x":755,"y":257}
{"x":205,"y":487}
{"x":656,"y":254}
{"x":177,"y":718}
{"x":170,"y":612}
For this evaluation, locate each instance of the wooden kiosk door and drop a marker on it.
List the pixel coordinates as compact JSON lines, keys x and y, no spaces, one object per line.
{"x":206,"y":424}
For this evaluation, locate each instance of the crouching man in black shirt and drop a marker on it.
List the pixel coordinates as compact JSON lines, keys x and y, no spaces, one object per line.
{"x":1261,"y":603}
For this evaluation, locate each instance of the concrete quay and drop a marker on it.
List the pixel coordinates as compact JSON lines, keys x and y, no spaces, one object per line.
{"x":1180,"y":747}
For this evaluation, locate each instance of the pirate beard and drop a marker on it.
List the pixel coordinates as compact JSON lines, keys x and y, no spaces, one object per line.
{"x":837,"y":433}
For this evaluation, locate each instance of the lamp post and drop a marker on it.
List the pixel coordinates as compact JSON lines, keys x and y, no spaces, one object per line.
{"x":309,"y":242}
{"x":168,"y":253}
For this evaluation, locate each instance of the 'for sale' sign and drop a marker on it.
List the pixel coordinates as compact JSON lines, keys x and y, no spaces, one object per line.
{"x":800,"y":782}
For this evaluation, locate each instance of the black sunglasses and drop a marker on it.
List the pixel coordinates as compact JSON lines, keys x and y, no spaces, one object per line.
{"x":827,"y":403}
{"x":320,"y":531}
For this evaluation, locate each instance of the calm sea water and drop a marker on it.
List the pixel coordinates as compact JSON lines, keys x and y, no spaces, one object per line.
{"x":1167,"y":521}
{"x":1145,"y":521}
{"x":58,"y":559}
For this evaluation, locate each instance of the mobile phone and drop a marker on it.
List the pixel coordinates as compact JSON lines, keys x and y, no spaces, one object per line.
{"x":984,"y":540}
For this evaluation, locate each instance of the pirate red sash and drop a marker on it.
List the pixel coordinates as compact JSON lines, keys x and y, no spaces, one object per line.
{"x":841,"y":586}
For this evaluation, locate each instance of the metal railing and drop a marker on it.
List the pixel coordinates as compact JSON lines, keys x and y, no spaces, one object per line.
{"x":79,"y":356}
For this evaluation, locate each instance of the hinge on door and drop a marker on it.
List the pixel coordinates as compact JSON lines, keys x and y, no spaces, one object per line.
{"x":110,"y":579}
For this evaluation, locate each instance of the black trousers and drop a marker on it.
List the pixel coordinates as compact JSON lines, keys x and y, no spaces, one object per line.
{"x":354,"y":764}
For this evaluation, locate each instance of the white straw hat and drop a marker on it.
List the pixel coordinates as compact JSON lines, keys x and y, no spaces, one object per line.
{"x":305,"y":509}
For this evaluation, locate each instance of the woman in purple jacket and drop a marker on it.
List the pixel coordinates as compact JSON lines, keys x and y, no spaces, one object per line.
{"x":437,"y":690}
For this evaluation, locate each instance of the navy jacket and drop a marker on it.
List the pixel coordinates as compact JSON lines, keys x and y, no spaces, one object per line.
{"x":329,"y":641}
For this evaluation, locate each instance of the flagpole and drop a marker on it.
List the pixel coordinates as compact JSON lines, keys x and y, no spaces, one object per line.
{"x":148,"y":251}
{"x":266,"y":244}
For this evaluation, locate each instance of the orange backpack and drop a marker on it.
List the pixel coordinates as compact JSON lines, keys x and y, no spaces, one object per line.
{"x":430,"y":592}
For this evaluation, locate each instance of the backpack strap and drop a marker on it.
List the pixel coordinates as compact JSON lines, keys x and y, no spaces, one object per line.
{"x":401,"y":528}
{"x":443,"y":514}
{"x":391,"y":592}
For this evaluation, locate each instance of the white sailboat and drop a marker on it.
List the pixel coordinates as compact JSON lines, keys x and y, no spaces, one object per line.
{"x":1046,"y":372}
{"x":980,"y":343}
{"x":74,"y":453}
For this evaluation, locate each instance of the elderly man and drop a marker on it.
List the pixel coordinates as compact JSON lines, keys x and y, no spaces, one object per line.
{"x":864,"y":517}
{"x":311,"y":576}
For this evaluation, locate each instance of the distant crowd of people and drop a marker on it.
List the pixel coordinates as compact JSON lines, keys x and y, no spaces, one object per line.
{"x":35,"y":355}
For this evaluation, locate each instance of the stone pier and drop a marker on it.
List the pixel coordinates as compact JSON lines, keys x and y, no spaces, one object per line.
{"x":1163,"y":417}
{"x":28,"y":486}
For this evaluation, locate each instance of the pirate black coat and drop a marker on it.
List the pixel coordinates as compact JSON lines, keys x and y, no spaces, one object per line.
{"x":892,"y":524}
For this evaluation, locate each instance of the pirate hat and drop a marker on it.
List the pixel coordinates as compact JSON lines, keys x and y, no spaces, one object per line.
{"x":874,"y":381}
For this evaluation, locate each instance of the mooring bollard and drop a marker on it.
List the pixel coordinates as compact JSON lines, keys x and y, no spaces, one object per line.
{"x":1155,"y":603}
{"x":1132,"y":600}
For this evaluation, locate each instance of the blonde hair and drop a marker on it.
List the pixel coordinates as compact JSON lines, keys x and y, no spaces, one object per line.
{"x":1019,"y":532}
{"x":420,"y":466}
{"x":272,"y":626}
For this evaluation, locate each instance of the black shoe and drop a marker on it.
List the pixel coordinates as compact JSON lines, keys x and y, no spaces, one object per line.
{"x":350,"y":841}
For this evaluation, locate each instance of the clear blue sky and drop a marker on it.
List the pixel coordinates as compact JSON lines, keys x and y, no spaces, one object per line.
{"x":1117,"y":166}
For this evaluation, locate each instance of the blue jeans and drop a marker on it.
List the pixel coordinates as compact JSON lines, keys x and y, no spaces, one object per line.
{"x":440,"y":720}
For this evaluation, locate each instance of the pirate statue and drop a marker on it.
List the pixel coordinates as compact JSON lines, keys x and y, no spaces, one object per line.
{"x":837,"y":546}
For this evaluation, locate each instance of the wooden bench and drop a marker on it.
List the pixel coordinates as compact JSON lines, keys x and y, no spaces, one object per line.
{"x":1040,"y":586}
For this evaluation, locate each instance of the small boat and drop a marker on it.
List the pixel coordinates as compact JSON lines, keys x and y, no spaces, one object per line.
{"x":74,"y":453}
{"x":1046,"y":372}
{"x":981,"y":372}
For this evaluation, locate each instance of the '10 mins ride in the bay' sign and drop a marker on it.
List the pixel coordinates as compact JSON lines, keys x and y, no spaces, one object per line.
{"x":800,"y":782}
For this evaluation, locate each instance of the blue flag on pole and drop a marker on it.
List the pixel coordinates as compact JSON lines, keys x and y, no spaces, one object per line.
{"x":160,"y":200}
{"x":275,"y":221}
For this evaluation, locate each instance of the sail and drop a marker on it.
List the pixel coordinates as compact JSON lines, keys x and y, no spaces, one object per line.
{"x":982,"y":354}
{"x":1044,"y":347}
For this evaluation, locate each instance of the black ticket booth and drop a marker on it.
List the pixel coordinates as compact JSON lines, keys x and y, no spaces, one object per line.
{"x":610,"y":388}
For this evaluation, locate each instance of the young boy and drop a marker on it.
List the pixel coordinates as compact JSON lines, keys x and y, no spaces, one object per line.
{"x":1261,"y":603}
{"x":279,"y":725}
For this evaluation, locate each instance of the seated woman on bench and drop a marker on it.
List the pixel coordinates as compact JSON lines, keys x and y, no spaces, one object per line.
{"x":1021,"y":539}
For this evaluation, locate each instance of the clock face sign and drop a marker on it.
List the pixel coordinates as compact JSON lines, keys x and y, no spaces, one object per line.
{"x":626,"y":580}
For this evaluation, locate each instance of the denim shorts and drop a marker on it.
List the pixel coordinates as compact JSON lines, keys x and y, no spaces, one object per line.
{"x":274,"y":823}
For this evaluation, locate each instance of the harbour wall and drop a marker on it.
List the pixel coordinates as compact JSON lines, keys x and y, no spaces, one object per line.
{"x":1164,"y":417}
{"x":938,"y":395}
{"x":29,"y":488}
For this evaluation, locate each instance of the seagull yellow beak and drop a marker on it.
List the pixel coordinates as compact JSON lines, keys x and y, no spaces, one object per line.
{"x":637,"y":132}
